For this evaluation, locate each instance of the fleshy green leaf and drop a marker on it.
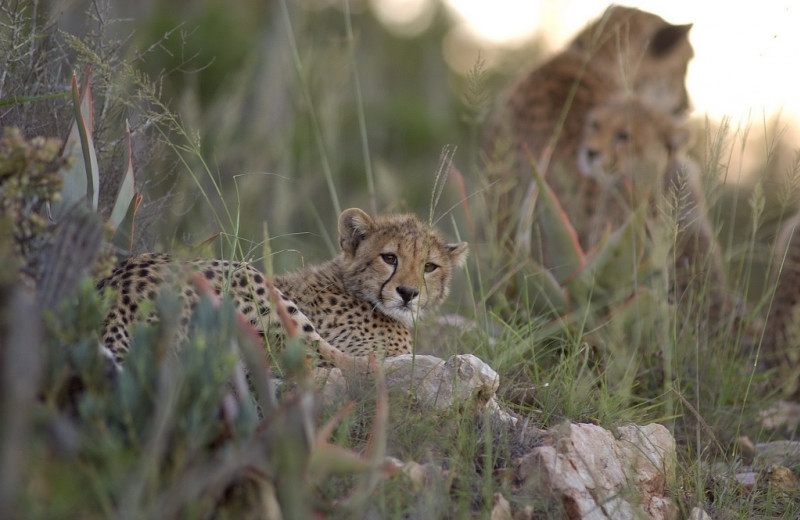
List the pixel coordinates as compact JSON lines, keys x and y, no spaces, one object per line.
{"x":612,"y":269}
{"x":539,"y":288}
{"x":331,"y":459}
{"x":637,"y":317}
{"x":126,"y":190}
{"x":620,"y":255}
{"x":123,"y":238}
{"x":81,"y":177}
{"x":566,"y":254}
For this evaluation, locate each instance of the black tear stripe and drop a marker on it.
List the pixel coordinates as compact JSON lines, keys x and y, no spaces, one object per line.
{"x":394,"y":271}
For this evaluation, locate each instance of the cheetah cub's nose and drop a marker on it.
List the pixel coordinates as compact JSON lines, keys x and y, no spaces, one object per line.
{"x":407,"y":293}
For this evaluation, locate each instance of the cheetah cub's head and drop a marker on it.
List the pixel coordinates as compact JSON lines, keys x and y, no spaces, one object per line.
{"x":396,"y":263}
{"x":627,"y":142}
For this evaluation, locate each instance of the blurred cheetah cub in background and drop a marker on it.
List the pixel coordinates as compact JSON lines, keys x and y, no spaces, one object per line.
{"x":626,"y":142}
{"x":632,"y":155}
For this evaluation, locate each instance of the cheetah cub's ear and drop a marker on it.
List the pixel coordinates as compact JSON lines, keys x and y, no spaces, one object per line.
{"x":354,"y":226}
{"x":458,"y":253}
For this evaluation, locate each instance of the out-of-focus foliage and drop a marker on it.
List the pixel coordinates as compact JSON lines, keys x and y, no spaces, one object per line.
{"x":29,"y":179}
{"x":176,"y":434}
{"x":277,"y":106}
{"x":43,"y":45}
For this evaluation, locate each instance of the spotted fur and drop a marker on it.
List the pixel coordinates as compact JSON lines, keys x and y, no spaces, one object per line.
{"x":366,"y":299}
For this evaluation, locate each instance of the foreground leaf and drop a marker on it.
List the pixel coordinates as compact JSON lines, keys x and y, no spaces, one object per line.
{"x":566,"y":254}
{"x":123,"y":238}
{"x":81,"y":177}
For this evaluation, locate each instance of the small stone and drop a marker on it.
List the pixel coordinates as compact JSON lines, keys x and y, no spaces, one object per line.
{"x":501,"y":509}
{"x":416,"y":473}
{"x":747,"y":479}
{"x":698,"y":513}
{"x":746,"y":448}
{"x":783,"y":453}
{"x":781,"y":480}
{"x":461,"y":380}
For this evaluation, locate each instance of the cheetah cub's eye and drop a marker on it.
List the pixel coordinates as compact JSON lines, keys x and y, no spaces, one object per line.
{"x":430,"y":267}
{"x":389,"y":258}
{"x":623,"y":136}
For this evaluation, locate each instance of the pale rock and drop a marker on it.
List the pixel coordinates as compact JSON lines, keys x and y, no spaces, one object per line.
{"x":747,"y":479}
{"x":416,"y":473}
{"x":779,"y":481}
{"x":420,"y":476}
{"x":331,"y":385}
{"x":494,"y":409}
{"x":501,"y":509}
{"x":441,"y":384}
{"x":784,"y":453}
{"x":393,"y":464}
{"x":785,"y":415}
{"x":599,"y":477}
{"x":524,"y":513}
{"x":698,"y":513}
{"x":433,"y":382}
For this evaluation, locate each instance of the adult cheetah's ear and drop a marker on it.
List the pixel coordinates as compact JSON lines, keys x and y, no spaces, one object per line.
{"x":667,"y":38}
{"x":458,"y":253}
{"x":354,"y":226}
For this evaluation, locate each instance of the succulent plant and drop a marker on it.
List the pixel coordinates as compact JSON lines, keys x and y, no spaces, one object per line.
{"x":81,"y":176}
{"x":42,"y":180}
{"x":614,"y":297}
{"x":573,"y":280}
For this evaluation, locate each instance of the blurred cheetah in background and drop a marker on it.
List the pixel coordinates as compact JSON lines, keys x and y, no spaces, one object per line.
{"x":625,"y":50}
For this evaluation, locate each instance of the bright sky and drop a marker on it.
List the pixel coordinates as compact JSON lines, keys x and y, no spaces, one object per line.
{"x":747,"y":55}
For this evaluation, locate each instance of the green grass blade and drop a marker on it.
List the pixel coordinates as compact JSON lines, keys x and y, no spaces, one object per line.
{"x":362,"y":120}
{"x":317,"y":130}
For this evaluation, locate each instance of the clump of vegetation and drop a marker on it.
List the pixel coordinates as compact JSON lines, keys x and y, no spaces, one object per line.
{"x":176,"y":434}
{"x":29,"y":181}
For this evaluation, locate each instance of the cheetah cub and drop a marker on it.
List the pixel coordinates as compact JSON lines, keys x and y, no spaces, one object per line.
{"x":631,"y":155}
{"x":625,"y":140}
{"x":389,"y":272}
